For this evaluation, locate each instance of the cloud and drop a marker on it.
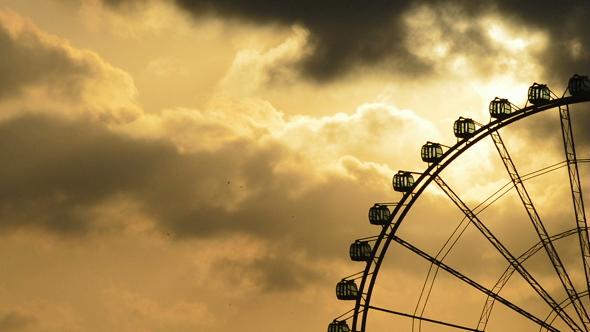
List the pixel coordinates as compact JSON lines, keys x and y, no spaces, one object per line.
{"x":134,"y":19}
{"x":348,"y":34}
{"x":164,"y":219}
{"x":20,"y":40}
{"x":236,"y":167}
{"x":48,"y":73}
{"x":236,"y":163}
{"x":58,"y":168}
{"x":372,"y":133}
{"x":566,"y":26}
{"x":144,"y":312}
{"x":329,"y":26}
{"x":60,"y":171}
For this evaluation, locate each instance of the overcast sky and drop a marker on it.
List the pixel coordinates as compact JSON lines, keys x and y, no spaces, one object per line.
{"x":191,"y":165}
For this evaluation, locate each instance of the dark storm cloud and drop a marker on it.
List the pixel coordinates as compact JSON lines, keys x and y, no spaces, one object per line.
{"x":343,"y":33}
{"x":53,"y":169}
{"x":348,"y":33}
{"x":273,"y":271}
{"x":64,"y":176}
{"x":56,"y":171}
{"x":568,"y":25}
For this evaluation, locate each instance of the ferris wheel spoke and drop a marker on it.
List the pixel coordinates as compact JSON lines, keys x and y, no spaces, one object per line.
{"x":474,"y":284}
{"x":424,"y":319}
{"x":541,"y":230}
{"x":487,"y":310}
{"x":433,"y":270}
{"x":468,"y":135}
{"x":507,"y":255}
{"x":552,"y":316}
{"x":576,"y":188}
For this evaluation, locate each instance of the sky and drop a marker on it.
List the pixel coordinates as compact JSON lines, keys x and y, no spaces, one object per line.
{"x":190,"y":165}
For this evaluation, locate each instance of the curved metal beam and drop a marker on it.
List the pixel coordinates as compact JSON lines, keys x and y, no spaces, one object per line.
{"x":508,"y":273}
{"x":527,"y":202}
{"x":474,"y":284}
{"x":420,"y":184}
{"x":507,"y":255}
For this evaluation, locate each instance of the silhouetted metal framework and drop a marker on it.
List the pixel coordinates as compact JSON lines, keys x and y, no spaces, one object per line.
{"x":450,"y":242}
{"x":473,"y":283}
{"x":576,"y":187}
{"x":509,"y":257}
{"x":387,"y":234}
{"x":564,"y":304}
{"x":424,"y":319}
{"x":487,"y":310}
{"x":542,"y":233}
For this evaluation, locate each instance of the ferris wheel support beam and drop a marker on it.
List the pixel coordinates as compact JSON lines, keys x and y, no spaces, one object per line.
{"x":372,"y":268}
{"x":541,"y":231}
{"x":509,"y":257}
{"x":424,"y":319}
{"x":574,"y":175}
{"x":474,"y":284}
{"x":443,"y":252}
{"x":551,"y":317}
{"x":487,"y":310}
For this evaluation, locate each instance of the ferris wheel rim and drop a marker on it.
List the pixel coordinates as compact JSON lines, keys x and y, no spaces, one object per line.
{"x":388,"y":231}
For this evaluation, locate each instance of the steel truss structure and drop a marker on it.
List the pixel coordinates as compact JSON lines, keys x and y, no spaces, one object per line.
{"x":576,"y":320}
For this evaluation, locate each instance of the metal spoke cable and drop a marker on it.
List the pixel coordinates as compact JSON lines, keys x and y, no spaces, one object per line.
{"x":452,"y":240}
{"x":487,"y":310}
{"x":474,"y":284}
{"x":507,"y":255}
{"x":551,"y":317}
{"x":509,"y":185}
{"x":361,"y":311}
{"x":433,"y":270}
{"x":541,"y":232}
{"x":424,"y":319}
{"x":578,"y":201}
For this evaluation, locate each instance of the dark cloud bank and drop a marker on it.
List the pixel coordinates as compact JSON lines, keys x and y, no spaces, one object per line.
{"x":56,"y":171}
{"x":64,"y":176}
{"x":350,"y":33}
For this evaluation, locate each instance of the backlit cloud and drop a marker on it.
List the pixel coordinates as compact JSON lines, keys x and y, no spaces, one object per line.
{"x":205,"y":165}
{"x":346,"y":34}
{"x":49,"y":73}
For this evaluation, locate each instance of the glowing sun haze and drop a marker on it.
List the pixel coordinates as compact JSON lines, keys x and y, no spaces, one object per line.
{"x":195,"y":165}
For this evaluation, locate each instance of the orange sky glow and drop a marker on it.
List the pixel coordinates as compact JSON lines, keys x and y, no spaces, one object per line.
{"x":194,"y":165}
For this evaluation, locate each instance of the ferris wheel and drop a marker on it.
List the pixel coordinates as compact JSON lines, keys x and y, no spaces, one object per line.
{"x":519,"y":260}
